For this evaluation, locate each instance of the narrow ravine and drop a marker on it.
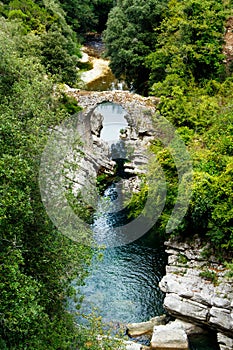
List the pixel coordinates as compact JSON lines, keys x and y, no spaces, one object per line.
{"x":123,"y":287}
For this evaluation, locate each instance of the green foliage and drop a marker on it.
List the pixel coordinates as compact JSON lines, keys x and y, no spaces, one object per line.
{"x":129,"y":37}
{"x":209,"y":276}
{"x":37,"y":263}
{"x":137,"y":201}
{"x":187,"y":72}
{"x":102,"y":181}
{"x":203,"y":118}
{"x":92,"y":337}
{"x":69,"y":103}
{"x":189,"y":42}
{"x":59,"y":56}
{"x":87,"y":16}
{"x":229,"y":266}
{"x":46,"y":35}
{"x":31,"y":15}
{"x":182,"y":259}
{"x":80,"y":207}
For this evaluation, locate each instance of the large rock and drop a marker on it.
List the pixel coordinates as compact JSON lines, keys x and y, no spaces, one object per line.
{"x":137,"y":329}
{"x":191,"y":310}
{"x":169,"y":337}
{"x":190,"y":328}
{"x":222,"y":318}
{"x":198,"y":291}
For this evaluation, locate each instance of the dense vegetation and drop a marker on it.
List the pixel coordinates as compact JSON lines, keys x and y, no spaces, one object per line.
{"x":189,"y":74}
{"x":181,"y":51}
{"x":87,"y":15}
{"x":39,"y":50}
{"x":171,"y":49}
{"x":130,"y":36}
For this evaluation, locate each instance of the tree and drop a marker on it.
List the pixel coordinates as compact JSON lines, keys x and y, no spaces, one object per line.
{"x":130,"y":37}
{"x":87,"y":16}
{"x":48,"y":35}
{"x":80,"y":14}
{"x":190,"y":42}
{"x":37,"y":263}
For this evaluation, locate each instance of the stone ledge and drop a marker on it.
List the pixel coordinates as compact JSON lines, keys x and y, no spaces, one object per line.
{"x":193,"y":297}
{"x":137,"y":329}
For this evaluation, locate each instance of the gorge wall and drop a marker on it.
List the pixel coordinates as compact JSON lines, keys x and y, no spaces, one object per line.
{"x":198,"y":290}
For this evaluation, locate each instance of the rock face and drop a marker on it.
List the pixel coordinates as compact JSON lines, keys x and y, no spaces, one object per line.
{"x":96,"y":123}
{"x":224,"y":342}
{"x":198,"y":291}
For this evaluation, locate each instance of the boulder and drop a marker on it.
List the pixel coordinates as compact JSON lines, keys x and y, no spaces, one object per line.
{"x":190,"y":328}
{"x":169,"y":337}
{"x":137,"y":329}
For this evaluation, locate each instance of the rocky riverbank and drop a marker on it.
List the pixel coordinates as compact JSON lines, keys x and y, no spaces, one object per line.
{"x":199,"y":296}
{"x":198,"y":290}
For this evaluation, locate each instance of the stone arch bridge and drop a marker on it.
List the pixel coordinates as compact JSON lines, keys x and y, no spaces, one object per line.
{"x":139,"y":109}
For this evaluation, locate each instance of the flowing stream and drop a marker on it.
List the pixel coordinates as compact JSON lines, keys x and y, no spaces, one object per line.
{"x":94,"y":48}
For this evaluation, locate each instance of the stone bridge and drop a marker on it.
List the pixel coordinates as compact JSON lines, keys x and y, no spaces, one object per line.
{"x":139,"y":109}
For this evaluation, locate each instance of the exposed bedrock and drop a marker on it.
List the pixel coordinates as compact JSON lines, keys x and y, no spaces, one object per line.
{"x":199,"y":291}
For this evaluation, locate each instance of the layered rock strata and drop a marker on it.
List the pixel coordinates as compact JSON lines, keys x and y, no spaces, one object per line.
{"x":198,"y":291}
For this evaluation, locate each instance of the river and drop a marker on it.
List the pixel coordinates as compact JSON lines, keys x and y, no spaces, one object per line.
{"x":100,"y":77}
{"x":123,"y":285}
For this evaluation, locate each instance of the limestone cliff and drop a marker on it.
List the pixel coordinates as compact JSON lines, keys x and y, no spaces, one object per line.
{"x":198,"y":290}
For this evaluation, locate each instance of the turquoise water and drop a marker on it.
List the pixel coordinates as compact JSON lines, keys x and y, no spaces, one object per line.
{"x":124,"y":285}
